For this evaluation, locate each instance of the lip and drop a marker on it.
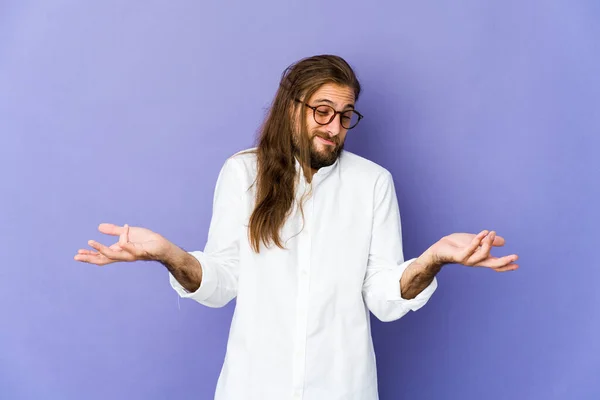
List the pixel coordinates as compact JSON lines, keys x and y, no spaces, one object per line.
{"x":325,"y":141}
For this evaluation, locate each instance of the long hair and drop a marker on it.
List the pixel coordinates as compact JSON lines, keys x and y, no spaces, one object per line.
{"x":276,"y":148}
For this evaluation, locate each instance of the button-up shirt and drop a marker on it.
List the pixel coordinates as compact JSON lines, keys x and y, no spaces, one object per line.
{"x":301,"y":327}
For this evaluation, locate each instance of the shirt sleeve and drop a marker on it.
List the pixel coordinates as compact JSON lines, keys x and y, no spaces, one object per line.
{"x":381,"y":286}
{"x":220,"y":258}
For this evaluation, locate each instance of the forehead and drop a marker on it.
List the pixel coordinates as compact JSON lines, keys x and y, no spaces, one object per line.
{"x":339,"y":95}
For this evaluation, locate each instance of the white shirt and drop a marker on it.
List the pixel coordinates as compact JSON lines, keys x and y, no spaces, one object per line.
{"x":301,"y":327}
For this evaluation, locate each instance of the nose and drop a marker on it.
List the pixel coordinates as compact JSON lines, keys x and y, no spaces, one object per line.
{"x":335,"y":127}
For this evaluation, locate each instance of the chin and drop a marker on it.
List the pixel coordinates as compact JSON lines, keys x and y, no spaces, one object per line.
{"x":324,"y":157}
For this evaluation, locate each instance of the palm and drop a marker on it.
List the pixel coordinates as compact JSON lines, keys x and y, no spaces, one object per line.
{"x":473,"y":250}
{"x":134,"y":243}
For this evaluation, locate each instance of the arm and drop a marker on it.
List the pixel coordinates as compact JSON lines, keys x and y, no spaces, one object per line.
{"x":386,"y":265}
{"x":184,"y":267}
{"x":209,"y":276}
{"x":419,"y":275}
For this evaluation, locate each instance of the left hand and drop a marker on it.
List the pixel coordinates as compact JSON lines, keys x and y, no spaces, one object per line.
{"x":472,"y":250}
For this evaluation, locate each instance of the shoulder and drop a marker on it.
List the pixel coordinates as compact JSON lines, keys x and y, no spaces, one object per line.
{"x":372,"y":178}
{"x":244,"y":162}
{"x":244,"y":156}
{"x":239,"y":171}
{"x":362,"y":169}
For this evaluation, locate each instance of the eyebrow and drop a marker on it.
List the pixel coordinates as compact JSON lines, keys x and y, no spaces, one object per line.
{"x":331,"y":103}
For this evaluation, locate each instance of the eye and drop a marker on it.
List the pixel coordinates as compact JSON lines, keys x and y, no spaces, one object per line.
{"x":324,"y":110}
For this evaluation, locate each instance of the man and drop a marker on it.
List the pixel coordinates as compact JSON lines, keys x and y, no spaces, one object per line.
{"x":308,"y":237}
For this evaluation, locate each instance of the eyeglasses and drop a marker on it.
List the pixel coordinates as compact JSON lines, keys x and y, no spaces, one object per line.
{"x":324,"y":114}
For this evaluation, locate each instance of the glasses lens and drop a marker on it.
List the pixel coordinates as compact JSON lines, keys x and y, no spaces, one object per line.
{"x":323,"y":114}
{"x":349,"y":119}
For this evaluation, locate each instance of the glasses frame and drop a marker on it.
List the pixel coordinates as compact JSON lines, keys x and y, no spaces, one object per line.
{"x":335,"y":113}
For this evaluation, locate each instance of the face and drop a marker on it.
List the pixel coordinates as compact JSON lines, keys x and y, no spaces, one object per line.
{"x":327,"y":141}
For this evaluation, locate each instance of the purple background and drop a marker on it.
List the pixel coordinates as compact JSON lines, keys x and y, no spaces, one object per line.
{"x":486,"y":113}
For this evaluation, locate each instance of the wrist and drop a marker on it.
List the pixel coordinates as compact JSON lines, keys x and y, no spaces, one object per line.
{"x":167,"y":252}
{"x":430,"y":260}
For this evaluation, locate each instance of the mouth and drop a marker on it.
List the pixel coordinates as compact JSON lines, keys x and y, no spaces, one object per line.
{"x":324,"y":141}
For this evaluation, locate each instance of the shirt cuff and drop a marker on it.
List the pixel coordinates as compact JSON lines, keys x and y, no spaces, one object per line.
{"x":208,"y":284}
{"x":394,"y":289}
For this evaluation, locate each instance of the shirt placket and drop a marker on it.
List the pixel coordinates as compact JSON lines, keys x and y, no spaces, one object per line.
{"x":304,"y":257}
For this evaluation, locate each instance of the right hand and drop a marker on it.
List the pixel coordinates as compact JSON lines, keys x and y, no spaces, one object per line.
{"x":134,"y":244}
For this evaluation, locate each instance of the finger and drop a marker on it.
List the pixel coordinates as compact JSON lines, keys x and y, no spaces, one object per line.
{"x":110,"y":229}
{"x":486,"y":245}
{"x":87,"y":252}
{"x":126,"y":245}
{"x":110,"y":253}
{"x":498,"y":262}
{"x":498,"y":241}
{"x":115,"y":247}
{"x":509,"y":267}
{"x":120,"y":248}
{"x":474,"y":245}
{"x":131,"y":249}
{"x":93,"y":259}
{"x":124,"y":237}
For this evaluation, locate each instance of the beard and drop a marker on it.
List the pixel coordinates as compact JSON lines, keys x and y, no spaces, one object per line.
{"x":320,"y":158}
{"x":328,"y":155}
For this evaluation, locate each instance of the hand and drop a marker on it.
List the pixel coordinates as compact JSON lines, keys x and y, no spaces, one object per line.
{"x":134,"y":244}
{"x":473,"y":250}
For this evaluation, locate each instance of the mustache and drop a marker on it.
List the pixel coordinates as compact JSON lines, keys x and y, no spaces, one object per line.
{"x":323,"y":135}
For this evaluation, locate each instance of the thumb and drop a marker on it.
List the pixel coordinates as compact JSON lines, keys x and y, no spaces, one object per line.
{"x":124,"y":236}
{"x":125,"y":244}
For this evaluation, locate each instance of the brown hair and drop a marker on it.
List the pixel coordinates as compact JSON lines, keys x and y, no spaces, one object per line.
{"x":275,"y":181}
